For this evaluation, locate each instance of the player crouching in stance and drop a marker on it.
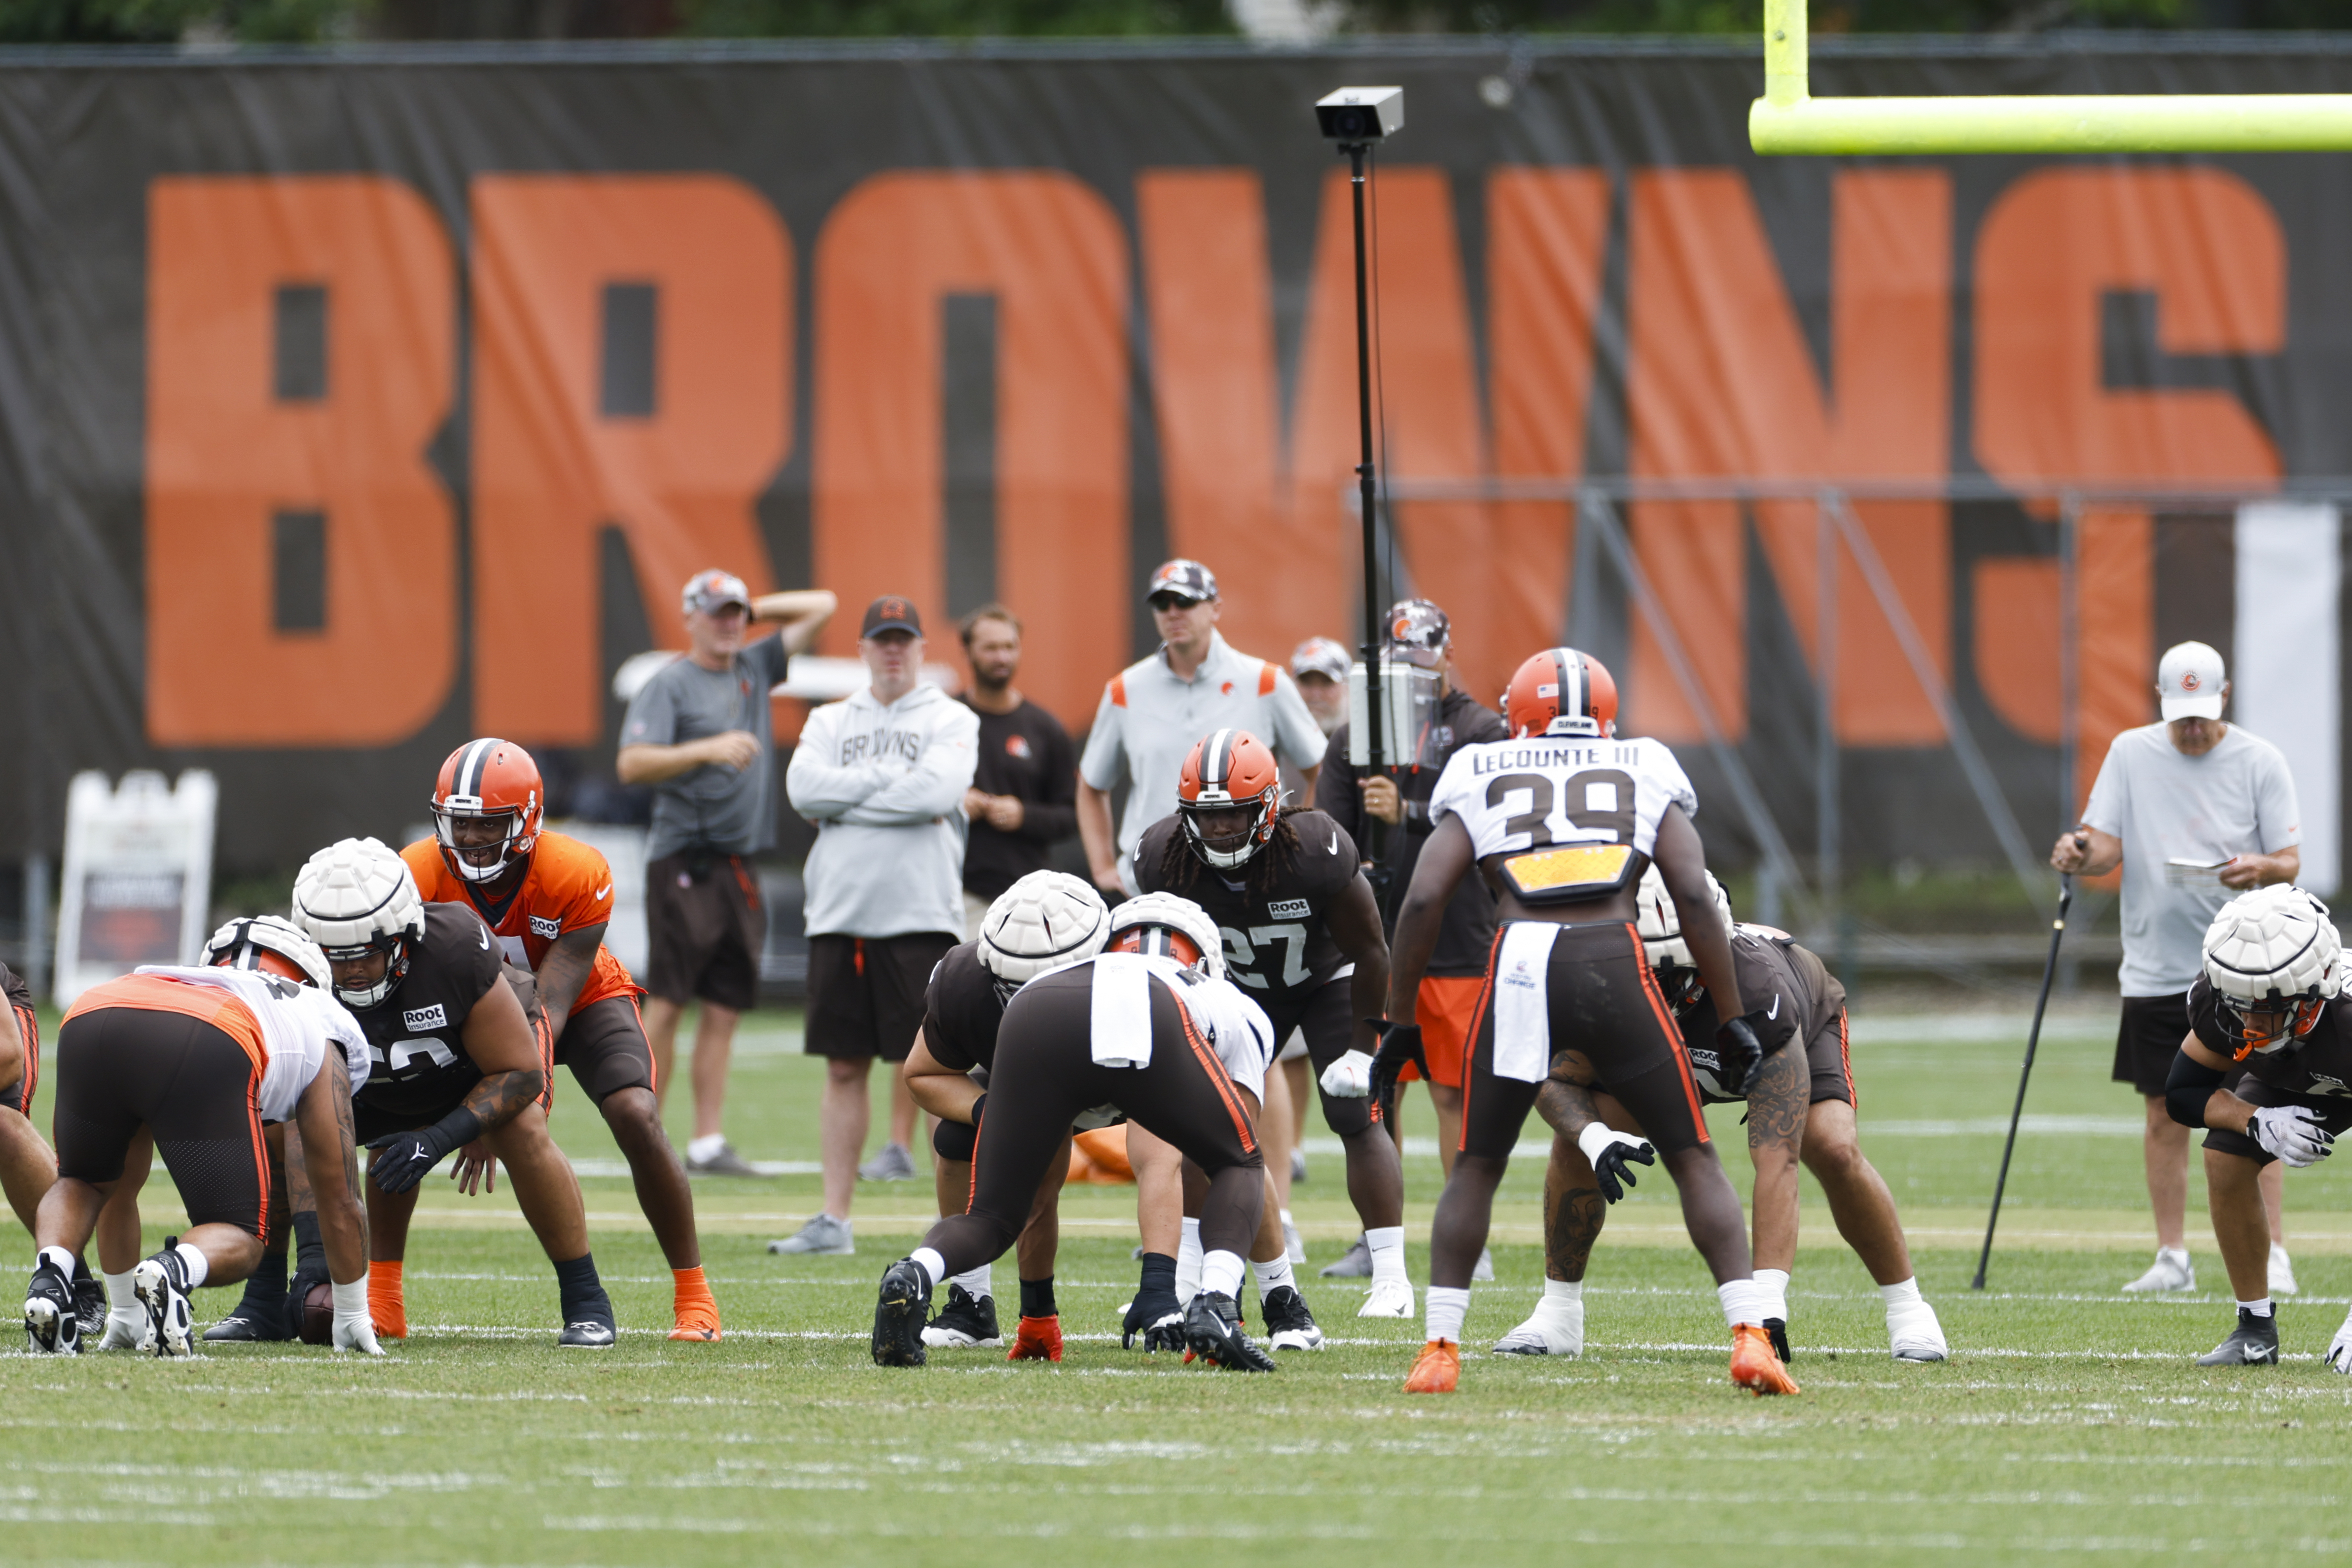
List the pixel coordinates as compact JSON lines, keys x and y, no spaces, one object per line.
{"x":1154,"y":1034}
{"x":1562,"y":819}
{"x":200,"y":1059}
{"x":1801,"y":1106}
{"x":2269,"y":1001}
{"x":454,"y":1059}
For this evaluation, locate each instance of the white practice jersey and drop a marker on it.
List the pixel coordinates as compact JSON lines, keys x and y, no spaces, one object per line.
{"x":1235,"y":1026}
{"x":1546,"y":792}
{"x":297,"y":1023}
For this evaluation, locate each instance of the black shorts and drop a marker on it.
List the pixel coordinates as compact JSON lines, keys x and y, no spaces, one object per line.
{"x":2332,"y":1110}
{"x":1327,"y":1019}
{"x":188,"y":1082}
{"x":706,"y":927}
{"x":2148,"y":1039}
{"x":1610,"y":1025}
{"x":18,"y":1095}
{"x":604,"y":1045}
{"x":865,"y":992}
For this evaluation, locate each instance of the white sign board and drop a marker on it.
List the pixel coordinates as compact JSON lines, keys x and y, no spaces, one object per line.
{"x":138,"y":876}
{"x":2282,"y":680}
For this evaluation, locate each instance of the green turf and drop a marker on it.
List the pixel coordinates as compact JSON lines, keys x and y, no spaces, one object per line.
{"x":2070,"y":1419}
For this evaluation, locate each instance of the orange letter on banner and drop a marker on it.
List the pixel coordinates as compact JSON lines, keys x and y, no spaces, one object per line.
{"x":1723,"y":387}
{"x":2208,"y":245}
{"x":226,"y":456}
{"x":554,"y":464}
{"x":1053,"y":253}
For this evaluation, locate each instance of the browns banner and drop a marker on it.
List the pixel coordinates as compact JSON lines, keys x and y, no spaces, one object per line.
{"x":350,"y":405}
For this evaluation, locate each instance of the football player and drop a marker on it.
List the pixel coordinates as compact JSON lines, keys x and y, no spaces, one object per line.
{"x":1801,"y":1106}
{"x":1302,"y":935}
{"x":1561,"y":820}
{"x":548,"y":897}
{"x":454,"y":1059}
{"x":2269,"y":1001}
{"x":200,"y":1061}
{"x":1176,"y":1048}
{"x":28,"y":1167}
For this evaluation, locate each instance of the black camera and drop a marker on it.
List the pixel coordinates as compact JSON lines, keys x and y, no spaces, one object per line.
{"x":1361,"y":114}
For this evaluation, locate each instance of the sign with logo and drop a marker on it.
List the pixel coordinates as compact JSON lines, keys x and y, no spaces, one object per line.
{"x":138,"y":876}
{"x":419,"y":1019}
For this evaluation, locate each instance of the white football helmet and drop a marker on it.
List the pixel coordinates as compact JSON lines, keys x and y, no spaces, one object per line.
{"x":2273,"y":960}
{"x":1167,"y":912}
{"x":241,"y":943}
{"x":1045,"y":921}
{"x":356,"y":896}
{"x":1661,"y":927}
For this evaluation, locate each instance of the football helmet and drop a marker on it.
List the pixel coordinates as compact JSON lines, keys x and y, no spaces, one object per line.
{"x":1561,"y":691}
{"x":1661,"y":927}
{"x":1172,"y":927}
{"x":2273,"y":960}
{"x":271,"y":945}
{"x":482,"y":780}
{"x":1046,"y":921}
{"x":1227,"y":770}
{"x":354,"y":898}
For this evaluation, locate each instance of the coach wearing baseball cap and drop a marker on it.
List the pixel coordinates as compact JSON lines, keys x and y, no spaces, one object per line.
{"x":2195,"y":811}
{"x":699,"y":734}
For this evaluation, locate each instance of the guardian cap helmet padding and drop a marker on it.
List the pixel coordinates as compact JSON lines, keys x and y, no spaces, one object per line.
{"x":2273,"y":960}
{"x":1661,"y":928}
{"x":356,"y":896}
{"x":1046,"y":921}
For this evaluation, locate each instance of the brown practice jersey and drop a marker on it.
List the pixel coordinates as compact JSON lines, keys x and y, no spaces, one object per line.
{"x":1780,"y":978}
{"x":2318,"y":1065}
{"x":18,"y":1092}
{"x":1279,"y":946}
{"x":962,"y":1005}
{"x":417,"y":1061}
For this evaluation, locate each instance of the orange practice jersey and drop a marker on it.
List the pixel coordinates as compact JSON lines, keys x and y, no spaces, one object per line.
{"x":568,"y":886}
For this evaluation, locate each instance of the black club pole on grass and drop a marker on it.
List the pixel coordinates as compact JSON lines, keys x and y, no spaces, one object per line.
{"x":2033,"y":1039}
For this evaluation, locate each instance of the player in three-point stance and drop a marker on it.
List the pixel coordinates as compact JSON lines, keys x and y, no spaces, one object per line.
{"x":455,"y":1058}
{"x":2270,"y":1002}
{"x":27,"y":1166}
{"x":1800,"y":1107}
{"x":196,"y":1064}
{"x":1150,"y":1033}
{"x":1561,"y":820}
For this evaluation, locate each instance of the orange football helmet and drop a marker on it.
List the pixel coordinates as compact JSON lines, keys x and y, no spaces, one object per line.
{"x":1561,"y":691}
{"x":486,"y":779}
{"x":1227,"y":770}
{"x":1166,"y":941}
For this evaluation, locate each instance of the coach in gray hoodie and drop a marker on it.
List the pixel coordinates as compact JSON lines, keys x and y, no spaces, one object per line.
{"x":882,"y":774}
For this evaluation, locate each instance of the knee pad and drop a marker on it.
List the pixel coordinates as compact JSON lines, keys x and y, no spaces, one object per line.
{"x":954,"y":1141}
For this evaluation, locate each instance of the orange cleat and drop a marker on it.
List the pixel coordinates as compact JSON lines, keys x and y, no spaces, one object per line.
{"x":1039,"y":1339}
{"x":1754,"y":1366}
{"x":386,"y":1310}
{"x":696,"y":1309}
{"x":1438,"y":1371}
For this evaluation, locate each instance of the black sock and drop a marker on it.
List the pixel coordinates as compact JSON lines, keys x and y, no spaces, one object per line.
{"x":1158,"y":1273}
{"x":310,"y":1245}
{"x":81,"y":1270}
{"x":266,"y":1286}
{"x":1037,"y":1298}
{"x":582,"y":1293}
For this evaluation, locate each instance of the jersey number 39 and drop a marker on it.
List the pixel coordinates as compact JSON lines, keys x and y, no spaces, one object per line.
{"x":1598,"y":800}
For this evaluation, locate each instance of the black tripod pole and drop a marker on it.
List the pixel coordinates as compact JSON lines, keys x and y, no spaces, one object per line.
{"x":1375,"y":714}
{"x":2033,"y":1039}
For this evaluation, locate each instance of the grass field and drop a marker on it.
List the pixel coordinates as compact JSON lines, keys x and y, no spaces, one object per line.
{"x":2068,"y":1421}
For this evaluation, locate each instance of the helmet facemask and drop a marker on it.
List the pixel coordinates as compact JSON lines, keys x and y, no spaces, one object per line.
{"x":1238,"y":833}
{"x":1160,"y":942}
{"x":510,"y":845}
{"x":2270,"y":1023}
{"x":396,"y":969}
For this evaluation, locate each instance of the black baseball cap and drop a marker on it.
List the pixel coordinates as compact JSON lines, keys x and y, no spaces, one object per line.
{"x":891,"y":614}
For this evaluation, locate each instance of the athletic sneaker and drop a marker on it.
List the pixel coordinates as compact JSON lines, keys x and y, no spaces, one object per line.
{"x":1298,"y":1166}
{"x":1555,"y":1328}
{"x":1913,"y":1332}
{"x":587,"y":1334}
{"x":899,"y":1313}
{"x":1036,"y":1339}
{"x":965,"y":1321}
{"x":161,"y":1283}
{"x":2170,"y":1271}
{"x":1482,"y":1273}
{"x":1292,"y":1246}
{"x":90,"y":1298}
{"x":726,"y":1163}
{"x":824,"y":1235}
{"x":1356,"y":1263}
{"x":1776,"y":1330}
{"x":1289,"y":1326}
{"x":1437,"y":1369}
{"x":1213,"y":1332}
{"x":2282,"y":1272}
{"x":248,"y":1325}
{"x":1387,"y":1298}
{"x":892,"y":1164}
{"x":52,"y":1325}
{"x":2254,"y":1342}
{"x":1754,"y":1366}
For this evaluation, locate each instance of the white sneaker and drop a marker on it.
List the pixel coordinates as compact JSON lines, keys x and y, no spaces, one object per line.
{"x":2170,"y":1271}
{"x":824,"y":1235}
{"x":1294,"y":1247}
{"x":1388,"y":1298}
{"x":1484,"y":1274}
{"x":2281,"y":1271}
{"x":1913,"y":1332}
{"x":1556,"y":1328}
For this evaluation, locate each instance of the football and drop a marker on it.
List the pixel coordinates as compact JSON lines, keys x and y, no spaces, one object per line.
{"x":319,"y":1314}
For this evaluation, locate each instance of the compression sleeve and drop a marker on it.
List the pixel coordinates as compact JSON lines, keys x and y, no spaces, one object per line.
{"x":2188,"y":1086}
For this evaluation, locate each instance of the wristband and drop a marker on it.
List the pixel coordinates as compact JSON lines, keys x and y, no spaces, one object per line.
{"x":351,"y":1300}
{"x":1594,"y":1141}
{"x":458,"y":1129}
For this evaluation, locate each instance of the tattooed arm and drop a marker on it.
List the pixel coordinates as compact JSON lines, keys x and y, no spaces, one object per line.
{"x":499,"y":1040}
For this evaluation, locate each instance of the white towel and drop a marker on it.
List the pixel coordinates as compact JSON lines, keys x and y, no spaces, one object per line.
{"x":1523,"y":1002}
{"x":1122,"y":1010}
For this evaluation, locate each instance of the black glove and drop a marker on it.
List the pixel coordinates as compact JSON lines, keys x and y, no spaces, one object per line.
{"x":1400,"y":1044}
{"x":404,"y":1159}
{"x":1607,"y":1151}
{"x":309,"y":1269}
{"x":1154,"y":1312}
{"x":1741,"y":1052}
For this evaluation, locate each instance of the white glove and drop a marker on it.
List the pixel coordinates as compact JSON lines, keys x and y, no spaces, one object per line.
{"x":2293,"y":1133}
{"x":1350,"y":1077}
{"x":2340,"y":1348}
{"x":353,"y":1328}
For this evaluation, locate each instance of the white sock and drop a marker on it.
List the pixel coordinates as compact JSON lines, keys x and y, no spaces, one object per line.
{"x":1900,"y":1295}
{"x":1387,"y":1245}
{"x":975,"y":1281}
{"x":1275,"y":1275}
{"x":2178,"y":1254}
{"x":1563,"y":1289}
{"x":1742,"y":1302}
{"x":2261,"y":1308}
{"x":2278,"y":1251}
{"x":1188,"y":1263}
{"x":118,"y":1293}
{"x":194,"y":1262}
{"x":934,"y":1267}
{"x":1221,"y":1274}
{"x":58,"y":1258}
{"x":1772,"y":1294}
{"x":705,"y":1147}
{"x":1444,"y":1307}
{"x":1285,"y":1217}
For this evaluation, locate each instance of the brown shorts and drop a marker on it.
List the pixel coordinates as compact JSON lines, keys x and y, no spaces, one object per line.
{"x":865,"y":992}
{"x":706,"y":927}
{"x":18,"y":1095}
{"x":604,"y":1045}
{"x":1446,"y":1008}
{"x":2146,"y":1040}
{"x":1832,"y":1063}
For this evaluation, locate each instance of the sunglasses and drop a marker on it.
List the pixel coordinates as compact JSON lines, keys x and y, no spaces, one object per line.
{"x":1166,"y":602}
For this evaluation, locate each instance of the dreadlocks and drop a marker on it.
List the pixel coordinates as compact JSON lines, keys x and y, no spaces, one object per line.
{"x":1180,"y":866}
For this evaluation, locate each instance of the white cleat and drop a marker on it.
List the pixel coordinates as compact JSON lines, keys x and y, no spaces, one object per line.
{"x":1555,"y":1329}
{"x":1293,"y":1247}
{"x":1387,"y":1298}
{"x":161,"y":1283}
{"x":1915,"y":1333}
{"x":2339,"y":1350}
{"x":1484,"y":1273}
{"x":2281,"y":1271}
{"x":2170,"y":1271}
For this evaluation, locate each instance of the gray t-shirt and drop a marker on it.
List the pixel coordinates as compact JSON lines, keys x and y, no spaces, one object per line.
{"x":2236,"y":799}
{"x":711,"y":807}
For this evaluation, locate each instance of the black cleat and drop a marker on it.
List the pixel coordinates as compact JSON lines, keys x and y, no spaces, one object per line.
{"x":51,"y":1326}
{"x":966,"y":1321}
{"x":161,"y":1283}
{"x":90,"y":1300}
{"x":2254,"y":1342}
{"x":1213,"y":1331}
{"x":1776,"y":1330}
{"x":1289,"y":1326}
{"x":898,"y":1314}
{"x":249,"y":1324}
{"x":587,"y":1334}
